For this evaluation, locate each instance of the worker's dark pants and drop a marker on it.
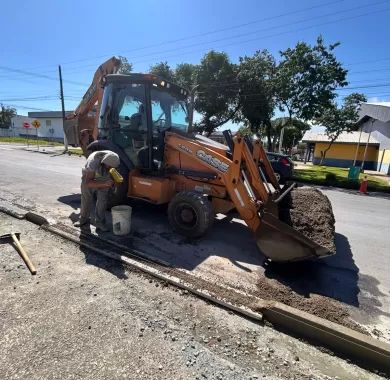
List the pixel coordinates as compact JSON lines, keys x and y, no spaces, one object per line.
{"x":87,"y":198}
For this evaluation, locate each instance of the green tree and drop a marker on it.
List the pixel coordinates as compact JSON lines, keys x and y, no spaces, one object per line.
{"x":163,"y":70}
{"x":255,"y":78}
{"x":185,"y":75}
{"x":307,"y":78}
{"x":337,"y":120}
{"x":6,"y":114}
{"x":125,"y":67}
{"x":217,"y":91}
{"x":294,"y":130}
{"x":244,"y":130}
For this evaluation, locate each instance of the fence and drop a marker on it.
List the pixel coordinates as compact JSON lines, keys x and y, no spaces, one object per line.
{"x":27,"y":133}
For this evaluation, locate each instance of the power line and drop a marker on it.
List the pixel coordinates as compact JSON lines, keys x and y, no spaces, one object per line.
{"x":372,"y":70}
{"x":367,"y":86}
{"x":369,"y":81}
{"x":210,"y":32}
{"x":26,"y":107}
{"x":38,"y":75}
{"x":278,"y":34}
{"x":266,"y":29}
{"x":368,"y":94}
{"x":272,"y":35}
{"x":29,"y":99}
{"x":245,"y":34}
{"x":370,"y":61}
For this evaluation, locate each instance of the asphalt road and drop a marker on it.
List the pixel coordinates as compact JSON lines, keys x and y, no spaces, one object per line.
{"x":357,"y":275}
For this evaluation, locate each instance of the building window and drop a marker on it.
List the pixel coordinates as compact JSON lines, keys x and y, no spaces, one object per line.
{"x":48,"y":123}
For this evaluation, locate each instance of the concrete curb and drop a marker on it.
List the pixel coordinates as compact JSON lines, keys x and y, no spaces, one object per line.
{"x":12,"y":210}
{"x":363,"y":350}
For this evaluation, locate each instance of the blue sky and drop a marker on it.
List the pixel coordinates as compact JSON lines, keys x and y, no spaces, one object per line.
{"x":38,"y":35}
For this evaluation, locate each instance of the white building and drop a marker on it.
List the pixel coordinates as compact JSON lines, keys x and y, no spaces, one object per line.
{"x":51,"y":127}
{"x":18,"y":120}
{"x":375,"y":120}
{"x":16,"y":128}
{"x":51,"y":124}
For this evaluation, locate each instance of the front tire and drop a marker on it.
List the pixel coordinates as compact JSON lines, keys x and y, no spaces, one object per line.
{"x":190,"y":214}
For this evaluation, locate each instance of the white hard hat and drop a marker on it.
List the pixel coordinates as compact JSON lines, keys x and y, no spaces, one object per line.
{"x":111,"y":159}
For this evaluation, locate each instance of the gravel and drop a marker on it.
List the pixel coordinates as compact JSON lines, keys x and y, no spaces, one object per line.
{"x":81,"y":316}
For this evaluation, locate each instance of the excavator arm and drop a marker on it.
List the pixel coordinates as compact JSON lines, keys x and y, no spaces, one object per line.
{"x":82,"y":124}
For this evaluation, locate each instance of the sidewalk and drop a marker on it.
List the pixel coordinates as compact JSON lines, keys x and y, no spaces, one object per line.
{"x":45,"y":149}
{"x":378,"y":175}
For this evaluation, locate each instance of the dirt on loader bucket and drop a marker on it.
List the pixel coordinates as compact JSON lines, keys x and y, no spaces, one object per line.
{"x":309,"y":212}
{"x":303,"y":229}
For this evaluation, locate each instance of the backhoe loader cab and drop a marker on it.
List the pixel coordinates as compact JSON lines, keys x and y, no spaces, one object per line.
{"x":137,"y":110}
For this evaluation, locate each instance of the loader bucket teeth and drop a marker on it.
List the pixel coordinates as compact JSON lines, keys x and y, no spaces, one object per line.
{"x":281,"y":243}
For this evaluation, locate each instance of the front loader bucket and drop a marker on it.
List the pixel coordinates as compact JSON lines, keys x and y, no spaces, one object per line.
{"x":281,"y":243}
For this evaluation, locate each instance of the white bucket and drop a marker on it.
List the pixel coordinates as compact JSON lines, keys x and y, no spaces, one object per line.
{"x":121,"y":220}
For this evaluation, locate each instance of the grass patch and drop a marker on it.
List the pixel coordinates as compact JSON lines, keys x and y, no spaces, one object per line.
{"x":31,"y":141}
{"x":75,"y":151}
{"x":338,"y":177}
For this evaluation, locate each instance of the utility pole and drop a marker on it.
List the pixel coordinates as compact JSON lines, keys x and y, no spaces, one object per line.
{"x":63,"y":108}
{"x":365,"y":150}
{"x":358,"y":146}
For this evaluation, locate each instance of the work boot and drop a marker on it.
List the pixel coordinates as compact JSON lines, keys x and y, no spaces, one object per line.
{"x":102,"y":227}
{"x":81,"y":222}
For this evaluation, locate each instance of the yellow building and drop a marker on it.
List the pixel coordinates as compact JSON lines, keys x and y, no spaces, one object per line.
{"x":348,"y":149}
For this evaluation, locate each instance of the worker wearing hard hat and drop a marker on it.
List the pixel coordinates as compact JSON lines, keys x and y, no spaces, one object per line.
{"x":96,"y":179}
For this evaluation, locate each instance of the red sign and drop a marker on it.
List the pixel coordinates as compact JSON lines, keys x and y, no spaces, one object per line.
{"x":26,"y":125}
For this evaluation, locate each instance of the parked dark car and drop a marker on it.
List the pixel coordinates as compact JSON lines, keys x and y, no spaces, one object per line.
{"x":282,"y":166}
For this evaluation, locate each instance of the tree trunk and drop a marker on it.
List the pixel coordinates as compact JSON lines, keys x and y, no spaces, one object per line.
{"x":268,"y":132}
{"x":273,"y":144}
{"x":323,"y":152}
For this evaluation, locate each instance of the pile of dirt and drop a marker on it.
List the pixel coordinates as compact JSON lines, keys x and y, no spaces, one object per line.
{"x":269,"y":289}
{"x":272,"y":290}
{"x":310,"y":212}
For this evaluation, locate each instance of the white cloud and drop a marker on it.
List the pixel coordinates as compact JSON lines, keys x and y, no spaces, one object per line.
{"x":374,"y":99}
{"x":377,"y":99}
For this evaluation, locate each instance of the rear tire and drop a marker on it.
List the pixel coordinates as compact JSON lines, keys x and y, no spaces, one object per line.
{"x":190,"y":214}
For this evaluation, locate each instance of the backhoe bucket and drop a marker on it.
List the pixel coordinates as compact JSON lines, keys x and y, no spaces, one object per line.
{"x":281,"y":243}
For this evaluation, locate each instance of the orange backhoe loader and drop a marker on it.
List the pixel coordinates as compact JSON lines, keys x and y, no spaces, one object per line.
{"x":147,"y":121}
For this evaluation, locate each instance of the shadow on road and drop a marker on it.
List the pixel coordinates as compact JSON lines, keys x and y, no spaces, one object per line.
{"x":228,"y":238}
{"x":72,"y":200}
{"x":336,"y":277}
{"x":98,"y":260}
{"x":110,"y":265}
